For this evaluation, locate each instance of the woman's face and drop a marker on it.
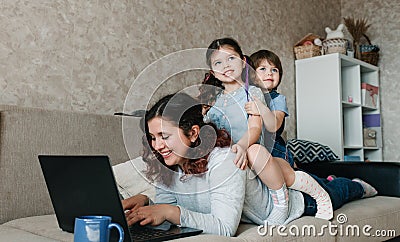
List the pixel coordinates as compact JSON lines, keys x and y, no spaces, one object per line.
{"x":268,"y":75}
{"x":227,"y":65}
{"x":169,"y":140}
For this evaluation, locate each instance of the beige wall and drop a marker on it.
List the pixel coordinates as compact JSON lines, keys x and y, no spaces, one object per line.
{"x":85,"y":55}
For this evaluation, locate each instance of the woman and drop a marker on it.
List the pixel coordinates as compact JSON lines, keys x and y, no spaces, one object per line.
{"x":198,"y":185}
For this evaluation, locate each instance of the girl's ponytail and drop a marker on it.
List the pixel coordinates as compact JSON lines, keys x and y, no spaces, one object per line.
{"x":210,"y":88}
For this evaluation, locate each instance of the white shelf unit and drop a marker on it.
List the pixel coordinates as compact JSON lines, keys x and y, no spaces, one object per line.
{"x":329,"y":105}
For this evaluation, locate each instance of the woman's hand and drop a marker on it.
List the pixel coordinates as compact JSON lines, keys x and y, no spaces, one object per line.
{"x":154,"y":214}
{"x":241,"y":158}
{"x":135,"y":202}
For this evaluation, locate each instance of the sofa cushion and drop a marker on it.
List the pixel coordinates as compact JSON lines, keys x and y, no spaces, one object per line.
{"x":305,"y":151}
{"x":16,"y":235}
{"x":249,"y":232}
{"x":379,"y":212}
{"x":45,"y":226}
{"x":131,"y":180}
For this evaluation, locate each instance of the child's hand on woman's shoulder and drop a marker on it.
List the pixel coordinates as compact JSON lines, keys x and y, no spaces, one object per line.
{"x":241,"y":158}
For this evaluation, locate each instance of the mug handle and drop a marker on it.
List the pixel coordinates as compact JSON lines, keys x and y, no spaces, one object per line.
{"x":120,"y":230}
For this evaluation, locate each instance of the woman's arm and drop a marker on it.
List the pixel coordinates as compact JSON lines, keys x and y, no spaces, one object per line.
{"x":155,"y":214}
{"x":226,"y":191}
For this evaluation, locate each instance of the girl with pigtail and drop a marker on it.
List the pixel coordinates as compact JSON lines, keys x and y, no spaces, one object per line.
{"x":225,"y":92}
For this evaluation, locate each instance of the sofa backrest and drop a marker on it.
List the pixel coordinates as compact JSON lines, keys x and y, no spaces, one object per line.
{"x":27,"y":132}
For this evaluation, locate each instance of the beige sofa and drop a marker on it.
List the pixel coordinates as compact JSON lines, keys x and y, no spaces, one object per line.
{"x":27,"y":214}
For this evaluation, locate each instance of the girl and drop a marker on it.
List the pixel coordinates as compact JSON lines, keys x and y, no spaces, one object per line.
{"x":227,"y":62}
{"x":198,"y":184}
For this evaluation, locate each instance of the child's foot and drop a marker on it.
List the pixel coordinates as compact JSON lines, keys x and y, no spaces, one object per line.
{"x":369,"y":191}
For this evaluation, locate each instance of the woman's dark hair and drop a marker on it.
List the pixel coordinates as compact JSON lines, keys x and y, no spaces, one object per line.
{"x":184,"y":111}
{"x":272,"y":59}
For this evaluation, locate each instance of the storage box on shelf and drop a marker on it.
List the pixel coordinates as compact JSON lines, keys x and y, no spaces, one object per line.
{"x":336,"y":45}
{"x":306,"y":51}
{"x":352,"y":158}
{"x":369,"y":138}
{"x":369,"y":95}
{"x":330,"y":107}
{"x":372,"y":135}
{"x":370,"y":57}
{"x":369,"y":53}
{"x":305,"y":48}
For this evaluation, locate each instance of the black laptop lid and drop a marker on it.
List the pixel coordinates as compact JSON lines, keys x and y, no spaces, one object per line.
{"x":82,"y":185}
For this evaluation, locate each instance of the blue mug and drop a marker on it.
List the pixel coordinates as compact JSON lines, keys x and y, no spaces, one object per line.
{"x":95,"y":229}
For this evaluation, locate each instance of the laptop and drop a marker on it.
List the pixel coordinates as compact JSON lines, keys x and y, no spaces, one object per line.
{"x":85,"y":185}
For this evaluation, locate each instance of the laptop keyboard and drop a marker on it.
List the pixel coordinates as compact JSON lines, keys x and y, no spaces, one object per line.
{"x":148,"y":234}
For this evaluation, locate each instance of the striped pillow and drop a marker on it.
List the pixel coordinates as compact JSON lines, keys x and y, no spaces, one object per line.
{"x":305,"y":151}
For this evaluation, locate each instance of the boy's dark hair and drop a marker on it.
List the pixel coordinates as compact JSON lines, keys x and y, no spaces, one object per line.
{"x":272,"y":59}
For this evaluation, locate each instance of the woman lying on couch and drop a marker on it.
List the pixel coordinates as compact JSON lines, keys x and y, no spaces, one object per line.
{"x":199,"y":186}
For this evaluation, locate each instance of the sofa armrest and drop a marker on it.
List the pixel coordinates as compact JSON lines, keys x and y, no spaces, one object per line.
{"x":384,"y":176}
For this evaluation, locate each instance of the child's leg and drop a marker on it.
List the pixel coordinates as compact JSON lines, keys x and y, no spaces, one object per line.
{"x":343,"y":190}
{"x":301,"y":181}
{"x":269,"y":172}
{"x":369,"y":191}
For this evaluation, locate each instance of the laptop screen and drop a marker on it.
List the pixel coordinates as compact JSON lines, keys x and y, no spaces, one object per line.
{"x":85,"y":185}
{"x":82,"y":185}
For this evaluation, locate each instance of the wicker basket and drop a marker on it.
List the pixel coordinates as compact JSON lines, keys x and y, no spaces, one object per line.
{"x":306,"y":51}
{"x":369,"y":53}
{"x":370,"y":57}
{"x":337,"y":45}
{"x":305,"y":47}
